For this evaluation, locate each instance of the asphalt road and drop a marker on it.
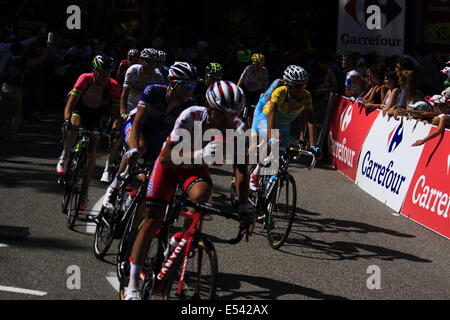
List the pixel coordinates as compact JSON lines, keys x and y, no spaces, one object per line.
{"x":340,"y":237}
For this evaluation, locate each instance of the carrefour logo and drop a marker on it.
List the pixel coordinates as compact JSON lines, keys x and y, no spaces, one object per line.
{"x":346,"y":118}
{"x":374,"y":14}
{"x":395,"y":138}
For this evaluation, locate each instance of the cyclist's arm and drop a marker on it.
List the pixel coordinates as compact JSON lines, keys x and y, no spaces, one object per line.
{"x":136,"y":128}
{"x":271,"y":119}
{"x":309,"y":114}
{"x":241,"y":182}
{"x":166,"y":154}
{"x":124,"y":99}
{"x":71,"y":103}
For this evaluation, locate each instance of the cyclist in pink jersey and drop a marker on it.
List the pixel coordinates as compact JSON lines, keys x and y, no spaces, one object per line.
{"x":83,"y":110}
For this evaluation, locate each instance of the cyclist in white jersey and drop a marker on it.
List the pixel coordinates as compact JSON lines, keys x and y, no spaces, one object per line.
{"x":137,"y":77}
{"x":255,"y":79}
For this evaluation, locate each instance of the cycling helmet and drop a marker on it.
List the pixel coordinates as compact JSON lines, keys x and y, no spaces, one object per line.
{"x":225,"y":96}
{"x":214,"y":69}
{"x":149,"y":53}
{"x":102,"y":62}
{"x":162,"y":56}
{"x":446,"y":71}
{"x":295,"y":75}
{"x":258,"y":58}
{"x":133,"y":53}
{"x":182,"y":71}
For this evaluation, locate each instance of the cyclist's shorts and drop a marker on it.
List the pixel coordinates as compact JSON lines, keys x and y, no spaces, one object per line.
{"x":90,"y":118}
{"x":162,"y":183}
{"x":126,"y":130}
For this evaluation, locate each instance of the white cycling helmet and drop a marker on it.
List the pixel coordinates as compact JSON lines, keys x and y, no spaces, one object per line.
{"x":295,"y":75}
{"x":149,"y":53}
{"x":225,"y":96}
{"x":182,"y":71}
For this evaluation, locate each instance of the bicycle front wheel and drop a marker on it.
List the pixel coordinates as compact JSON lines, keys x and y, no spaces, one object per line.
{"x":200,"y":276}
{"x":281,"y":208}
{"x":76,"y":191}
{"x":67,"y":185}
{"x":104,"y":232}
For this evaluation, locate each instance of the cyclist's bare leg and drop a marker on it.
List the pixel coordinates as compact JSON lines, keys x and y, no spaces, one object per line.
{"x":200,"y":193}
{"x":142,"y":149}
{"x":92,"y":154}
{"x":152,"y":221}
{"x":72,"y":135}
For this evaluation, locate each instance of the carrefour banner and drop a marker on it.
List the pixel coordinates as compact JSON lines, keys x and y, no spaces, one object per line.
{"x":348,"y":127}
{"x":387,"y":162}
{"x":371,"y":25}
{"x":428,"y":199}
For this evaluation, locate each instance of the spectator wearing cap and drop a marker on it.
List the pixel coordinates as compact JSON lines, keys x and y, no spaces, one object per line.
{"x":354,"y":83}
{"x":442,"y":121}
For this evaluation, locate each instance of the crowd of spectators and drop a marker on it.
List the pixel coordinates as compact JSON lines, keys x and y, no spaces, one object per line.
{"x":412,"y":84}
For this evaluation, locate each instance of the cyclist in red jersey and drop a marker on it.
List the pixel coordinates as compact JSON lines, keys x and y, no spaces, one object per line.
{"x":132,"y":58}
{"x":225,"y":100}
{"x":83,"y":110}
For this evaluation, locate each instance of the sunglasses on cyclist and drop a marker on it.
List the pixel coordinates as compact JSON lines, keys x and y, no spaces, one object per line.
{"x":298,"y":86}
{"x":184,"y":84}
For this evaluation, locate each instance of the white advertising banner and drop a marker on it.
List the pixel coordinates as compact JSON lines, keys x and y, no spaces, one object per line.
{"x":388,"y":161}
{"x":371,"y":25}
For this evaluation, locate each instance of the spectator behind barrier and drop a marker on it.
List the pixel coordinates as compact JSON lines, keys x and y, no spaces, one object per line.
{"x":376,"y":90}
{"x":442,"y":121}
{"x":354,"y":83}
{"x":409,"y":93}
{"x":404,"y":64}
{"x":391,"y":95}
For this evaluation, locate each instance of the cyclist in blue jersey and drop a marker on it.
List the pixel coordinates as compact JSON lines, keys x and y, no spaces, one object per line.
{"x":152,"y":120}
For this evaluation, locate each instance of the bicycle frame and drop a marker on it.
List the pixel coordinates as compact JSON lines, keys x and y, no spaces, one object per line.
{"x":184,"y":239}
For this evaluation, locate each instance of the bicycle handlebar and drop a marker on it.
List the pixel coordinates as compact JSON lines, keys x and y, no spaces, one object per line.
{"x":307,"y":153}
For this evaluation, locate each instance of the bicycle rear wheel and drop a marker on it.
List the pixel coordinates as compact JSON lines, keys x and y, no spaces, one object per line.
{"x":200,"y":277}
{"x":281,"y":211}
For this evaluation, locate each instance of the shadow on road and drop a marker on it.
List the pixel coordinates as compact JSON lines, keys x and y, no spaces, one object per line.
{"x":20,"y":237}
{"x":304,"y":223}
{"x":343,"y":250}
{"x":230,"y":287}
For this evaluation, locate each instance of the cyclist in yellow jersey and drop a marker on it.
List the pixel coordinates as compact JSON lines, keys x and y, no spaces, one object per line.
{"x":278,"y":107}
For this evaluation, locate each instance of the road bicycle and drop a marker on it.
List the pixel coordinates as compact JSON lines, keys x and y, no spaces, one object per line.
{"x":185,"y":267}
{"x":275,"y":200}
{"x":111,"y":222}
{"x":73,"y":180}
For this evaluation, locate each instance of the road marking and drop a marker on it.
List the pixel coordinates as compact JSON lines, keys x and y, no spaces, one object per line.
{"x":24,"y":291}
{"x":90,"y":226}
{"x":113,"y":281}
